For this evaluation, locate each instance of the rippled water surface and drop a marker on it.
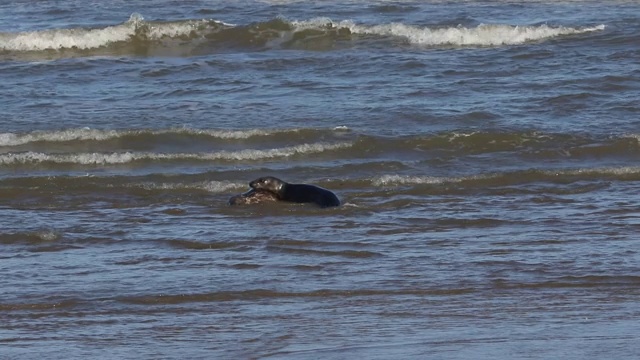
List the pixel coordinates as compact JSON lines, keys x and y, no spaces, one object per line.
{"x":485,"y":153}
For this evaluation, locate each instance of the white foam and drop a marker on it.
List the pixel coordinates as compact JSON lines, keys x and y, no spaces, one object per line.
{"x":12,"y":139}
{"x":389,"y":180}
{"x":95,"y":158}
{"x":398,"y":180}
{"x":176,"y":29}
{"x":482,"y":35}
{"x":84,"y":134}
{"x":83,"y":38}
{"x":209,"y":186}
{"x":229,"y":134}
{"x":47,"y":235}
{"x":616,"y":171}
{"x":395,"y":180}
{"x":57,"y":39}
{"x":636,"y":137}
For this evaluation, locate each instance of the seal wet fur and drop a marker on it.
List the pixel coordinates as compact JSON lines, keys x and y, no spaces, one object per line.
{"x":253,"y":196}
{"x":298,"y":193}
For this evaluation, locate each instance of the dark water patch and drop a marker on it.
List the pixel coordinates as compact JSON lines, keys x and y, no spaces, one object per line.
{"x":58,"y":11}
{"x":567,"y":103}
{"x":550,"y":244}
{"x":54,"y":248}
{"x":209,"y":11}
{"x":246,"y":266}
{"x":137,"y":220}
{"x":174,"y":211}
{"x":307,"y":267}
{"x":137,"y":260}
{"x":471,"y":223}
{"x":31,"y":237}
{"x":393,"y":8}
{"x":62,"y":305}
{"x":339,"y":253}
{"x":310,"y":243}
{"x":413,"y":65}
{"x":197,"y":245}
{"x":307,"y":247}
{"x":262,"y":294}
{"x":586,"y":281}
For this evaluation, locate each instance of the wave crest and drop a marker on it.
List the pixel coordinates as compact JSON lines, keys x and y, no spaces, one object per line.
{"x":137,"y":34}
{"x":482,"y":35}
{"x":85,"y":134}
{"x":136,"y":28}
{"x":563,"y":176}
{"x":95,"y":158}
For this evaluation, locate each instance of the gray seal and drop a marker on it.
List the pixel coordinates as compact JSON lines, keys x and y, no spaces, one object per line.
{"x":298,"y":193}
{"x":253,"y":196}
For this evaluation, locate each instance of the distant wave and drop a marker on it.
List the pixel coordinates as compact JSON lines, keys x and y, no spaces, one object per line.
{"x":209,"y":186}
{"x":95,"y":146}
{"x":139,"y":33}
{"x":398,"y":180}
{"x":83,"y":38}
{"x":85,"y":134}
{"x":482,"y":35}
{"x":96,"y":158}
{"x":515,"y":177}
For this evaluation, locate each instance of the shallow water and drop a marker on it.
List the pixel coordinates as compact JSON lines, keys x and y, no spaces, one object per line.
{"x":486,"y":154}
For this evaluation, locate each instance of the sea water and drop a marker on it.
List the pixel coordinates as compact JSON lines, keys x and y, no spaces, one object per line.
{"x":485,"y":152}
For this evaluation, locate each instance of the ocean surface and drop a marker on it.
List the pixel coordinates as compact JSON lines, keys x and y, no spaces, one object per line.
{"x":486,"y":154}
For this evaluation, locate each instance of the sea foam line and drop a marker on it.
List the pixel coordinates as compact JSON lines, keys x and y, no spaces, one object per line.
{"x":396,"y":180}
{"x":14,"y":139}
{"x":482,"y":35}
{"x":65,"y":38}
{"x":83,"y":38}
{"x":209,"y":186}
{"x":399,"y":180}
{"x":95,"y":158}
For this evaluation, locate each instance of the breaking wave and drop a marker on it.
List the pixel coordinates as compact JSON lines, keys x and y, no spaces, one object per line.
{"x":482,"y":35}
{"x":138,"y":35}
{"x":95,"y":158}
{"x":86,"y":134}
{"x":624,"y":173}
{"x":136,"y":28}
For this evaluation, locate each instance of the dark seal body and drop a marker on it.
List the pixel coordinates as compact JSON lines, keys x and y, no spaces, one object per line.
{"x":253,"y":196}
{"x":298,"y":193}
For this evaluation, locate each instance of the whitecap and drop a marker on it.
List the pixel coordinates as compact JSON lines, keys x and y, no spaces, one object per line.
{"x":97,"y":158}
{"x":481,"y":35}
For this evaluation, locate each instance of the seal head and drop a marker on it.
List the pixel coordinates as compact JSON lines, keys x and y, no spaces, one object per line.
{"x":268,"y":183}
